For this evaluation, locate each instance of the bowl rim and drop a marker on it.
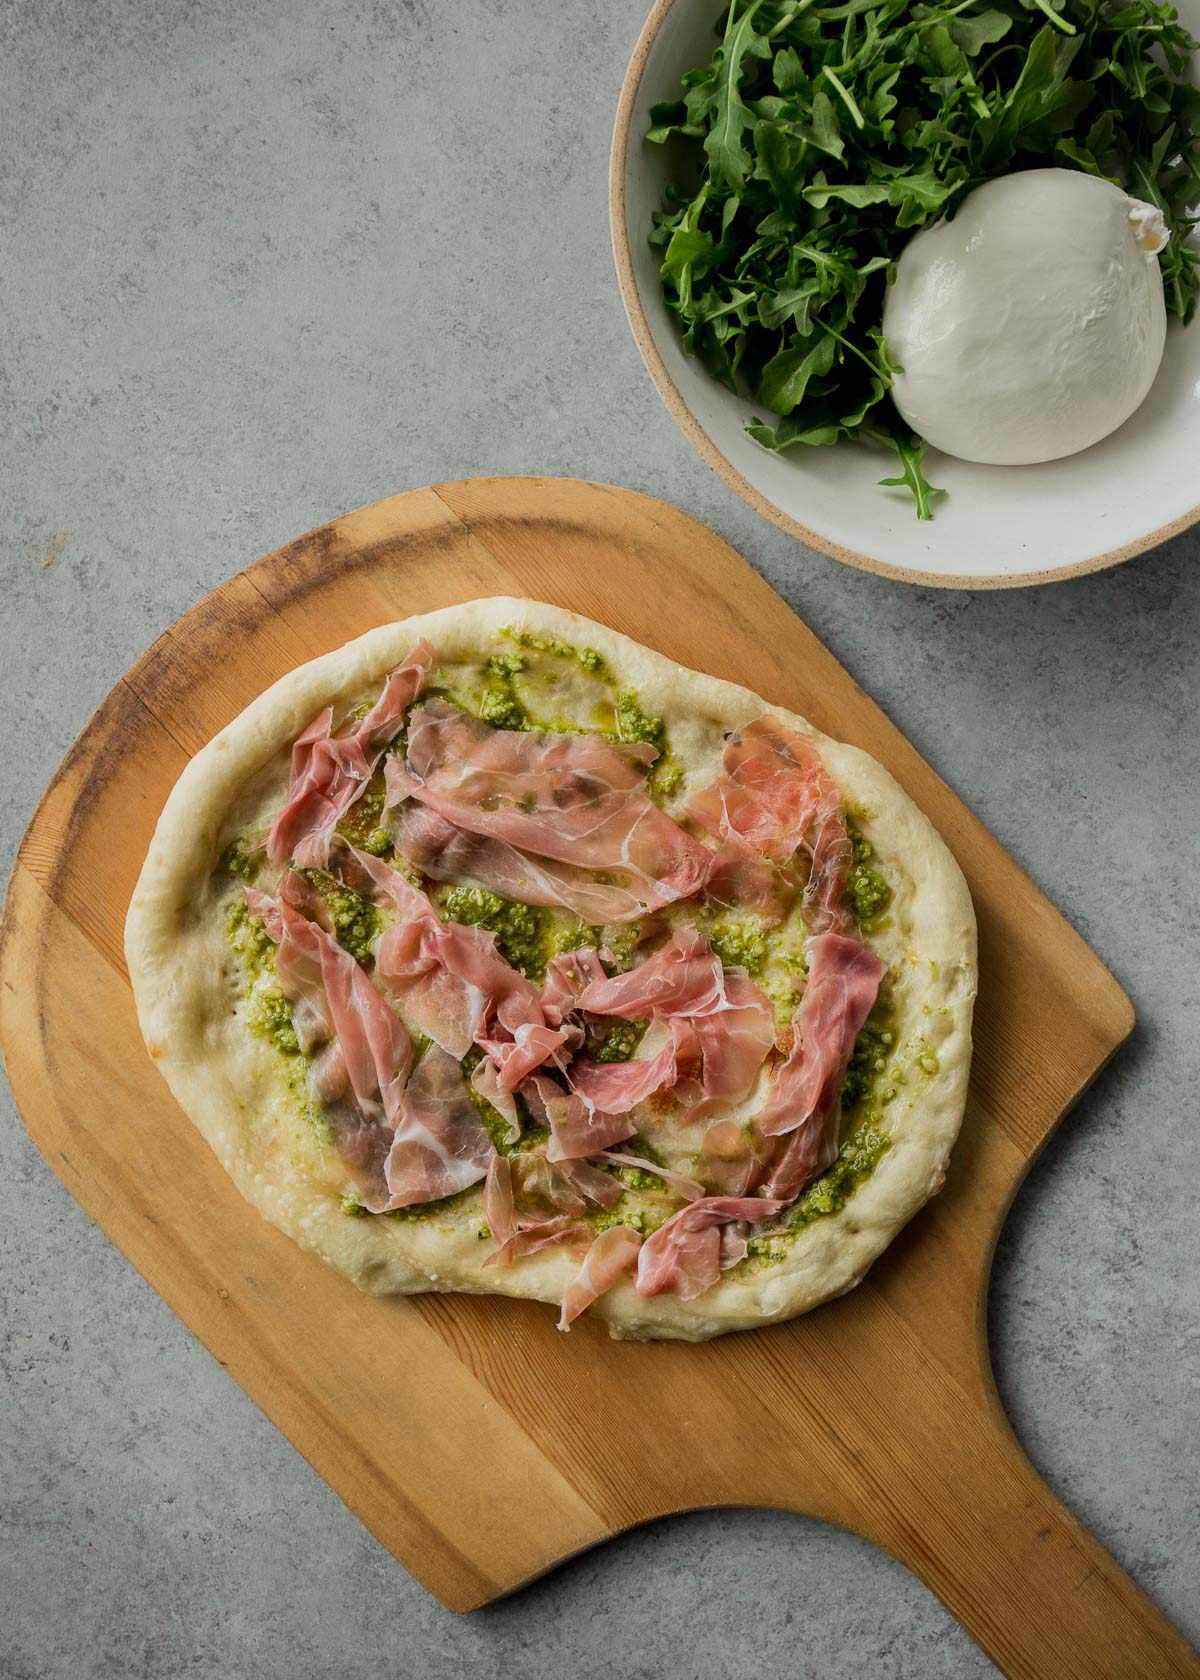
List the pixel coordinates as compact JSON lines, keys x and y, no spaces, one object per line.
{"x":703,"y":443}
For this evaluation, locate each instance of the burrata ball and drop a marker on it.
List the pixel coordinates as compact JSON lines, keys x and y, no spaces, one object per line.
{"x":1031,"y":324}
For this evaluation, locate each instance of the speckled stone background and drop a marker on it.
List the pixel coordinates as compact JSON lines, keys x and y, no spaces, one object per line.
{"x":262,"y":263}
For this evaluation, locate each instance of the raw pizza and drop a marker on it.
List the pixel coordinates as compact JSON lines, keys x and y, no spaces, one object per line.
{"x":495,"y":952}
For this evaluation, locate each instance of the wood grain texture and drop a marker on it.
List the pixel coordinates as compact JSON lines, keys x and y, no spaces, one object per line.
{"x":437,"y":1418}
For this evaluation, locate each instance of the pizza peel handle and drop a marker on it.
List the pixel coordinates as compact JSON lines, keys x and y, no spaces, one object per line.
{"x":876,"y":1412}
{"x":1025,"y":1578}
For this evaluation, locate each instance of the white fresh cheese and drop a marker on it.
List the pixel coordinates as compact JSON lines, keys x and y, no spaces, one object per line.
{"x":1032,"y":324}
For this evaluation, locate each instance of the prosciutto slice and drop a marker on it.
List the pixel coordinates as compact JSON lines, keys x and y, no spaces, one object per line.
{"x":721,"y":1018}
{"x":328,"y":772}
{"x":731,"y":1156}
{"x":687,"y":1188}
{"x":576,"y":799}
{"x":775,"y":795}
{"x":441,"y":1144}
{"x":297,"y":959}
{"x":448,"y":853}
{"x":683,"y":977}
{"x":531,"y":1046}
{"x":452,"y":981}
{"x":499,"y":1208}
{"x":577,"y":1129}
{"x":566,"y":977}
{"x":543,"y":1187}
{"x":734,"y":1043}
{"x":739,"y":878}
{"x":804,"y":1101}
{"x":571,"y":1233}
{"x":485,"y":1079}
{"x":359,"y":1075}
{"x":405,"y":1140}
{"x":618,"y":1087}
{"x":683,"y":1257}
{"x":613,"y":1253}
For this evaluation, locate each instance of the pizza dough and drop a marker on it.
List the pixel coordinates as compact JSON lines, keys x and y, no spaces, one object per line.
{"x":251,"y":1102}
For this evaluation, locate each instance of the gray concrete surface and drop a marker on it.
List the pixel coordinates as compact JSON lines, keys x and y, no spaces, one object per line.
{"x":261,"y":263}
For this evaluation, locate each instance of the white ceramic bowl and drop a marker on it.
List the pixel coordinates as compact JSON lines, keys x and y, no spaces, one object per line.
{"x":999,"y":527}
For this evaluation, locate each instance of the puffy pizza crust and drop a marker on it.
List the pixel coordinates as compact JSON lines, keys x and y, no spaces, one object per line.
{"x":189,"y":991}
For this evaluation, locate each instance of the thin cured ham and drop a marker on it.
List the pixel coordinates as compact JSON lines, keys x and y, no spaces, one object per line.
{"x":611,"y":1256}
{"x":564,"y":1231}
{"x":676,"y":1182}
{"x":577,"y":799}
{"x":804,"y":1099}
{"x":499,"y":1205}
{"x":453,"y":981}
{"x":730,"y":1025}
{"x":446,"y":852}
{"x":731,"y":1157}
{"x":577,"y":1129}
{"x":683,"y":977}
{"x":543,"y":1187}
{"x":406,"y":1137}
{"x":739,"y":878}
{"x":485,"y":1079}
{"x":566,"y":977}
{"x":734,"y":1042}
{"x":618,"y":1087}
{"x":375,"y":1045}
{"x":531,"y":1046}
{"x":328,"y":772}
{"x":683,"y":1257}
{"x":775,"y":794}
{"x":297,"y":960}
{"x":440,"y":1145}
{"x":359,"y":1074}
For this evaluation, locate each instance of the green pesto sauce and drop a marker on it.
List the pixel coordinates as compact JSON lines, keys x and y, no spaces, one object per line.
{"x":361,"y":823}
{"x":870,"y":891}
{"x":268,"y":1013}
{"x":785,"y":1000}
{"x":871,"y":1052}
{"x":588,"y":658}
{"x":355,"y":919}
{"x":864,"y":1093}
{"x":860,"y":1155}
{"x":249,"y":938}
{"x":642,"y":1217}
{"x":665,"y":776}
{"x":528,"y":935}
{"x":500,"y":704}
{"x":619,"y":1041}
{"x":740,"y":942}
{"x":241,"y":863}
{"x":430,"y":1210}
{"x":872,"y":895}
{"x":633,"y":724}
{"x":621,"y":938}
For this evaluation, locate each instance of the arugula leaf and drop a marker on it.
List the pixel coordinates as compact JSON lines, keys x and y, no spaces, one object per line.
{"x":972,"y":34}
{"x":819,"y":134}
{"x":727,"y":156}
{"x":786,"y":376}
{"x":912,"y":477}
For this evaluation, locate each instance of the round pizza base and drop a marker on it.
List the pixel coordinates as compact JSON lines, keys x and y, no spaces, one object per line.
{"x":189,"y":991}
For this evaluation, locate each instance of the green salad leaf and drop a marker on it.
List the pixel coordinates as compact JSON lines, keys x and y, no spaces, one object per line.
{"x":819,"y":135}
